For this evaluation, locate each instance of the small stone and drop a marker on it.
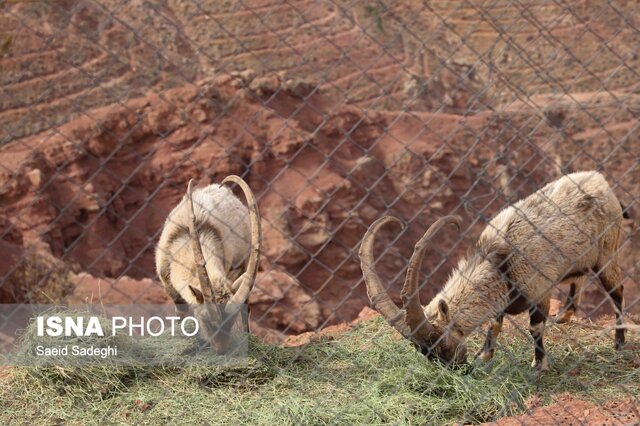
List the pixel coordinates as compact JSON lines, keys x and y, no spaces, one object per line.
{"x":265,"y":85}
{"x":222,"y":79}
{"x":93,"y":206}
{"x":368,"y":213}
{"x":300,"y":88}
{"x":247,"y":75}
{"x":199,"y":115}
{"x":35,"y":177}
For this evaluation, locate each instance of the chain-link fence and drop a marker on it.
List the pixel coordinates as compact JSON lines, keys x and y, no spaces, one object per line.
{"x":336,"y":113}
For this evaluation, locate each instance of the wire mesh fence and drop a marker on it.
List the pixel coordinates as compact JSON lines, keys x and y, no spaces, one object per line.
{"x":336,"y":113}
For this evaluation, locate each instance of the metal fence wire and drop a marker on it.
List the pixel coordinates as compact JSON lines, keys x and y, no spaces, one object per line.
{"x":336,"y":113}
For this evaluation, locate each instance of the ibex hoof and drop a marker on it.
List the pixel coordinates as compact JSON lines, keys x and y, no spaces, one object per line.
{"x":485,"y":355}
{"x":542,"y":365}
{"x":562,"y":317}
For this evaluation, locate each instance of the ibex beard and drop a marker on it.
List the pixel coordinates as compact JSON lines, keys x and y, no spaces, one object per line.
{"x":208,"y":256}
{"x":560,"y":232}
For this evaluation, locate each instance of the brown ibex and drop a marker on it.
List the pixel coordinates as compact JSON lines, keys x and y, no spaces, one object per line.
{"x":208,"y":253}
{"x":560,"y":232}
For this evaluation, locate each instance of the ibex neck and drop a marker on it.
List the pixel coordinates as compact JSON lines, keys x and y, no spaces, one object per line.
{"x":474,"y":294}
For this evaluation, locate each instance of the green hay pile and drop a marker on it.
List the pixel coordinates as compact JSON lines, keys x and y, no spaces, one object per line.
{"x":365,"y":376}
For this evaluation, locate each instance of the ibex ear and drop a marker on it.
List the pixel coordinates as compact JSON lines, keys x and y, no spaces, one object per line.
{"x":443,"y":309}
{"x":197,"y":294}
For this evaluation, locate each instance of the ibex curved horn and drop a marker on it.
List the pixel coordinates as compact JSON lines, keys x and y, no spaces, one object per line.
{"x":244,"y":283}
{"x":410,"y":321}
{"x":206,"y":287}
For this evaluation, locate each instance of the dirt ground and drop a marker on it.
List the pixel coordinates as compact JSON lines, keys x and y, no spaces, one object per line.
{"x":568,"y":411}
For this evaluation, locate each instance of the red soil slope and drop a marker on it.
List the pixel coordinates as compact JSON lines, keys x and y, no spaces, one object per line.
{"x":335,"y":115}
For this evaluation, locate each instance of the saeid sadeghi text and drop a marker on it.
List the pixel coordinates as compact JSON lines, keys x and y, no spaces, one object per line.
{"x":79,"y":351}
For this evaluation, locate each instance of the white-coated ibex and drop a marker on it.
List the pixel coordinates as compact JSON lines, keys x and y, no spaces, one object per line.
{"x":208,"y":252}
{"x":561,"y":231}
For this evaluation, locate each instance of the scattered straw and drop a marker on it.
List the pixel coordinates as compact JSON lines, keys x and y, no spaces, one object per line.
{"x":365,"y":376}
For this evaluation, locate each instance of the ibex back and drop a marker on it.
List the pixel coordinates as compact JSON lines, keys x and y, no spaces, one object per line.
{"x":209,"y":250}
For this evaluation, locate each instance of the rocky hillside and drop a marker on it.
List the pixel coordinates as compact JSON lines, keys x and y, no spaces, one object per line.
{"x":334,"y":116}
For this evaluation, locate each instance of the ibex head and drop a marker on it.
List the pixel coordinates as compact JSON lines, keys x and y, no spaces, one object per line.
{"x":428,"y":328}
